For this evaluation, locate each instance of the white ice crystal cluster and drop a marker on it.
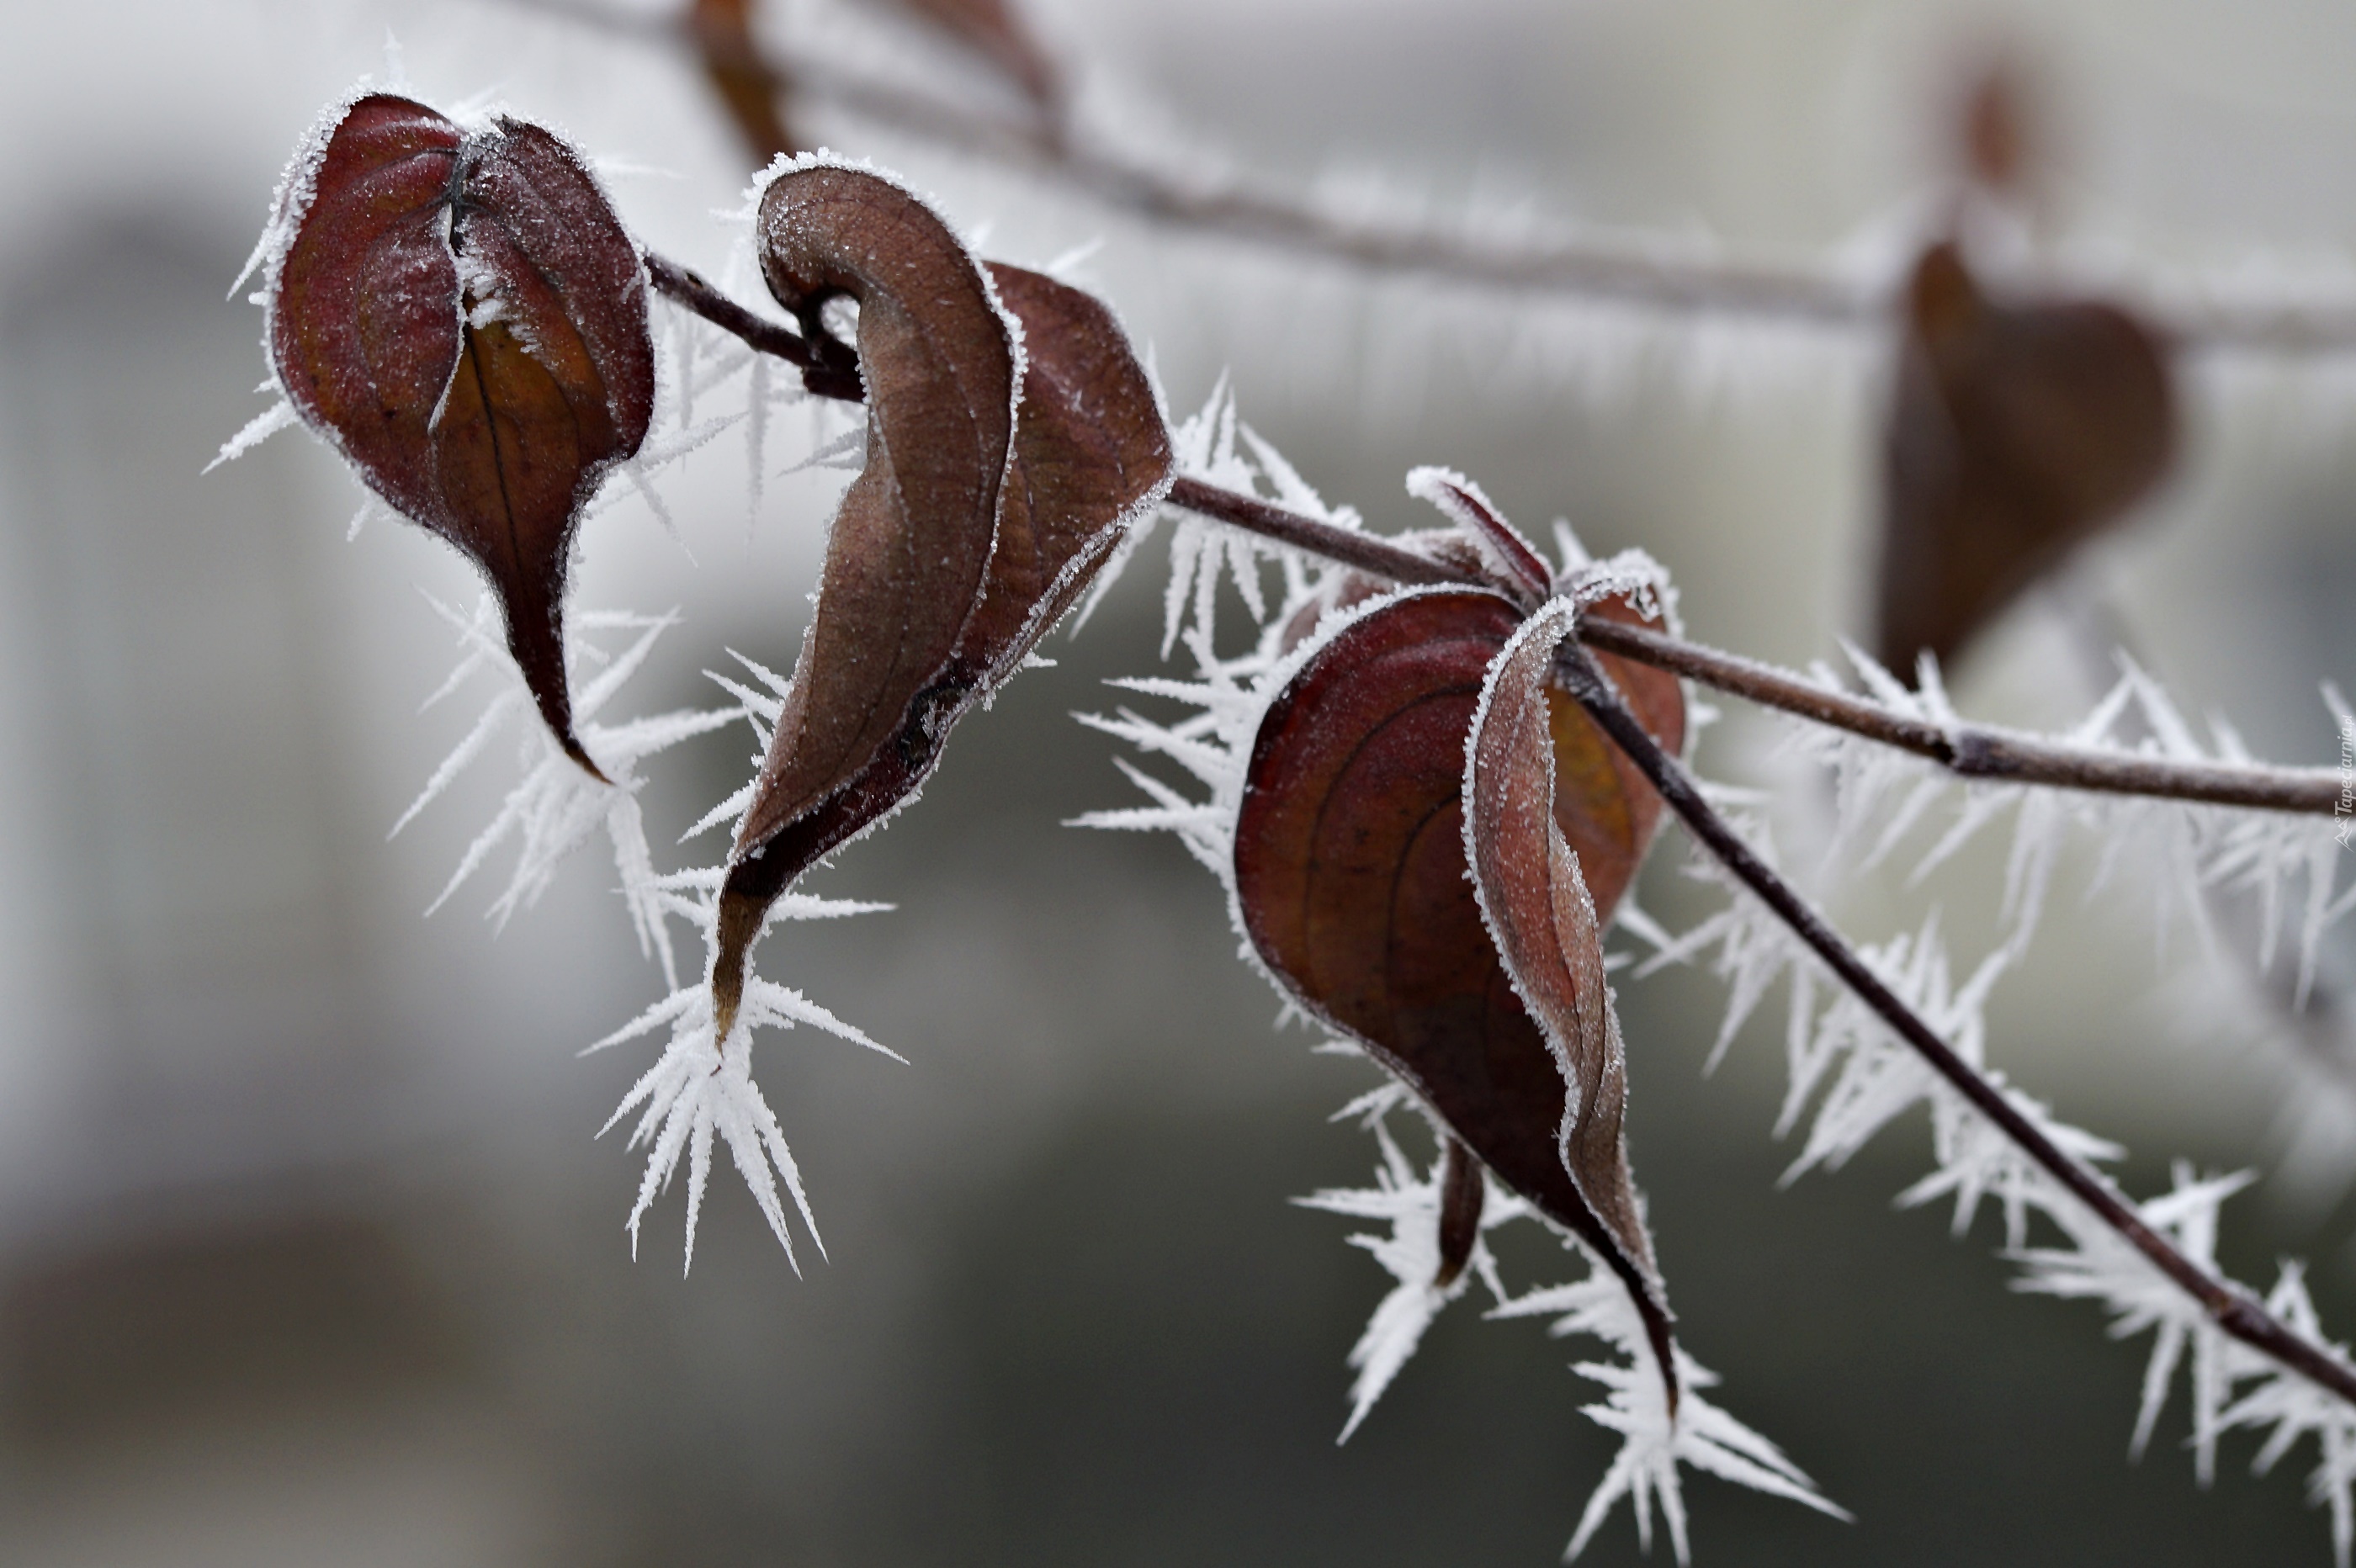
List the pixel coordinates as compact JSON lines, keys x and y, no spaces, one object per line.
{"x":1654,"y":1443}
{"x":700,"y":1086}
{"x":2287,"y":862}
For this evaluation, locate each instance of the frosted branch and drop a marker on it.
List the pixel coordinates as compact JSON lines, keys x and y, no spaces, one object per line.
{"x":1647,"y":273}
{"x":1976,"y":750}
{"x":2226,"y":1306}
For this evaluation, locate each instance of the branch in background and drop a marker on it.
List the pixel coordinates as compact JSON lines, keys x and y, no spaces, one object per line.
{"x":2236,"y":1313}
{"x":753,"y":90}
{"x":1588,"y":266}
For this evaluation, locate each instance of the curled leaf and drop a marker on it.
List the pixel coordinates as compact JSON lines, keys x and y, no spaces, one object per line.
{"x":2018,"y":431}
{"x":463,"y":316}
{"x":980,"y":517}
{"x":1350,"y":876}
{"x":1536,"y":904}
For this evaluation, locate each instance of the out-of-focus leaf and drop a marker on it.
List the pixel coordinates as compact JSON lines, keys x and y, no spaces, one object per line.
{"x":2018,"y":433}
{"x":1998,"y":130}
{"x":1350,"y":876}
{"x":748,"y":86}
{"x":977,"y":521}
{"x":1536,"y":904}
{"x":996,"y":30}
{"x":463,"y":314}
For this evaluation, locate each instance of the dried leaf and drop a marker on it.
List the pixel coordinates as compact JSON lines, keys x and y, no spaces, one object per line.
{"x":463,"y":314}
{"x":1090,"y":450}
{"x":975,"y":524}
{"x":2018,"y":433}
{"x":1536,"y":905}
{"x":1350,"y":876}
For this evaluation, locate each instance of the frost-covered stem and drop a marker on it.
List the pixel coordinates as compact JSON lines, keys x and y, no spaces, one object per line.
{"x":2233,"y":1311}
{"x":1974,"y":750}
{"x":683,"y":287}
{"x":1969,"y":751}
{"x":1580,"y":268}
{"x":1364,"y":552}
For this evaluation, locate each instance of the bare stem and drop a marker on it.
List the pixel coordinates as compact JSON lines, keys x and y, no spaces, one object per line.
{"x":1626,"y":271}
{"x":2231,"y":1308}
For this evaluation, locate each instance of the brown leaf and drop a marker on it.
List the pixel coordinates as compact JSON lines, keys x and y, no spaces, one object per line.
{"x":1508,"y":559}
{"x":465,"y":317}
{"x":971,"y":529}
{"x":1537,"y":907}
{"x":2018,"y":431}
{"x":1090,"y":449}
{"x":1351,"y":880}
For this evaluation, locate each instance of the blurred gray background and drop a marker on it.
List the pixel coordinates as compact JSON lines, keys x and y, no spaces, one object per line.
{"x":306,"y":1254}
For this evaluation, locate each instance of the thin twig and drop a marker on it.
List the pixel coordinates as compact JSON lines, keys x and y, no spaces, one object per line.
{"x":1367,"y":553}
{"x":748,"y":86}
{"x":683,"y":287}
{"x":2230,"y":1307}
{"x":1978,"y":751}
{"x":1970,"y":751}
{"x":1625,"y":271}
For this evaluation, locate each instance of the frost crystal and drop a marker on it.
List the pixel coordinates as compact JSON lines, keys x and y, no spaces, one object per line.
{"x":1411,"y":1252}
{"x":1702,"y":1436}
{"x":701,"y":1086}
{"x":1868,"y":1077}
{"x":1202,"y":552}
{"x":1882,"y":793}
{"x":556,"y":806}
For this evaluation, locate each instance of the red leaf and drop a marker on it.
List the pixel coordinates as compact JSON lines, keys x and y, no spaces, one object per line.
{"x":1351,"y":874}
{"x":971,"y":529}
{"x":1539,"y":912}
{"x":465,"y":317}
{"x":2018,"y":433}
